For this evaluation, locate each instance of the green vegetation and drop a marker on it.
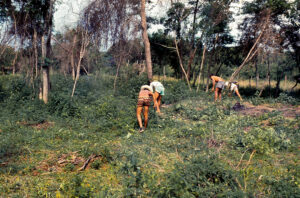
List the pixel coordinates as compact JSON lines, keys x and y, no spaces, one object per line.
{"x":196,"y":148}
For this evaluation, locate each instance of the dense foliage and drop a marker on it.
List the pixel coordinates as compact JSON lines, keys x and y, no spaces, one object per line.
{"x":196,"y":148}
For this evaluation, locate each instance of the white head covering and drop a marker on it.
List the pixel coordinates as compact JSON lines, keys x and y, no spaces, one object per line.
{"x":146,"y":87}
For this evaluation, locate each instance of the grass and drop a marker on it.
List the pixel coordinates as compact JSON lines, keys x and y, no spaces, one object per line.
{"x":284,"y":85}
{"x":196,"y":148}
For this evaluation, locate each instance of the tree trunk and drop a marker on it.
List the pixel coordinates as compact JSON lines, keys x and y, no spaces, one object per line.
{"x":201,"y":67}
{"x":72,"y":57}
{"x":207,"y":79}
{"x":269,"y":75}
{"x":46,"y":53}
{"x":248,"y":57}
{"x":210,"y":62}
{"x":193,"y":51}
{"x":257,"y":75}
{"x":84,"y":44}
{"x":285,"y":80}
{"x":35,"y":52}
{"x":16,"y":55}
{"x":45,"y":73}
{"x":117,"y":74}
{"x":278,"y":78}
{"x":181,"y":65}
{"x":14,"y":62}
{"x":146,"y":40}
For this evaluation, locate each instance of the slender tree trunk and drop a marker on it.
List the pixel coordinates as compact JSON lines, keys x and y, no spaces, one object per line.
{"x":181,"y":65}
{"x":35,"y":52}
{"x":285,"y":80}
{"x":117,"y":74}
{"x":256,"y":74}
{"x":207,"y":78}
{"x":31,"y":70}
{"x":16,"y":55}
{"x":45,"y":73}
{"x":248,"y":57}
{"x":14,"y":62}
{"x":193,"y":51}
{"x":278,"y":78}
{"x":219,"y":68}
{"x":84,"y":44}
{"x":72,"y":57}
{"x":146,"y":40}
{"x":210,"y":63}
{"x":201,"y":67}
{"x":269,"y":75}
{"x":46,"y":53}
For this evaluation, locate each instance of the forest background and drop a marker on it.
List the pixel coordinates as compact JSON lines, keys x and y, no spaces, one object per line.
{"x":68,"y":100}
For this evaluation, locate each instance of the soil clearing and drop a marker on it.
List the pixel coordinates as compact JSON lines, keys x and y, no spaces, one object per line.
{"x":286,"y":110}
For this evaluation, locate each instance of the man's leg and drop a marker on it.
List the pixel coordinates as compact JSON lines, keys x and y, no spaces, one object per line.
{"x":237,"y":93}
{"x":138,"y":115}
{"x":146,"y":110}
{"x":156,"y":98}
{"x":216,"y":94}
{"x":220,"y":94}
{"x":159,"y":100}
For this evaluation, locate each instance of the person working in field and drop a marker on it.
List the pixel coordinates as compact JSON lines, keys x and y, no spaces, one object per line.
{"x":219,"y":83}
{"x":233,"y":87}
{"x":159,"y":91}
{"x":144,"y":101}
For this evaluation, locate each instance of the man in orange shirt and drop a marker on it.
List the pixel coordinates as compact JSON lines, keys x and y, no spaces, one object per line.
{"x":220,"y":83}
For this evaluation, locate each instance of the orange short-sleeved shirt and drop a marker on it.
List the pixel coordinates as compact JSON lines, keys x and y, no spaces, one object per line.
{"x":216,"y":78}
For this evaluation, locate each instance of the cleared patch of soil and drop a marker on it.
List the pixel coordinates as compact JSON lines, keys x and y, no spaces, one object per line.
{"x":54,"y":164}
{"x":38,"y":126}
{"x":286,"y":110}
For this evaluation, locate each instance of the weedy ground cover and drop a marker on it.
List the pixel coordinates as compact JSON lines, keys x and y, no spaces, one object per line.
{"x":196,"y":148}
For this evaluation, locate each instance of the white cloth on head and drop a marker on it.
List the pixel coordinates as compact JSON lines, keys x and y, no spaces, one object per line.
{"x":147,"y":87}
{"x":233,"y":87}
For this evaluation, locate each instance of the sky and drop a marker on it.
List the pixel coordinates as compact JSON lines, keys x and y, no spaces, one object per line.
{"x":68,"y":11}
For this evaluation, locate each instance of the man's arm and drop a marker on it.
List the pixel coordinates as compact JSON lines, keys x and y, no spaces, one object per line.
{"x":213,"y":87}
{"x":155,"y":101}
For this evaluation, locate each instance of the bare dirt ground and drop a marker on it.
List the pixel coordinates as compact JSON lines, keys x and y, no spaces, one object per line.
{"x":286,"y":110}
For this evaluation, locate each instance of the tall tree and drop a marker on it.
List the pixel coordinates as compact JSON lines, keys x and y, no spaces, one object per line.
{"x":112,"y":19}
{"x":146,"y":40}
{"x":260,"y":30}
{"x":32,"y":19}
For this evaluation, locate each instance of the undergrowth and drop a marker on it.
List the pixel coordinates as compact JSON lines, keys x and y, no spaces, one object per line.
{"x":195,"y":148}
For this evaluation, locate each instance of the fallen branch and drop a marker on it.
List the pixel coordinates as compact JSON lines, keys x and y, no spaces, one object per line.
{"x":249,"y":56}
{"x":86,"y":163}
{"x":250,"y":157}
{"x":241,"y":159}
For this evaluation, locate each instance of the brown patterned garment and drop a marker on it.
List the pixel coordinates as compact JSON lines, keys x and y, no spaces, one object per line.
{"x":144,"y":98}
{"x":143,"y":102}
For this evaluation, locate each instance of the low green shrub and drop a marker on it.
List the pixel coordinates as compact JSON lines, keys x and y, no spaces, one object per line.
{"x":286,"y":99}
{"x":76,"y":187}
{"x":201,"y":176}
{"x":263,"y":140}
{"x":283,"y":187}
